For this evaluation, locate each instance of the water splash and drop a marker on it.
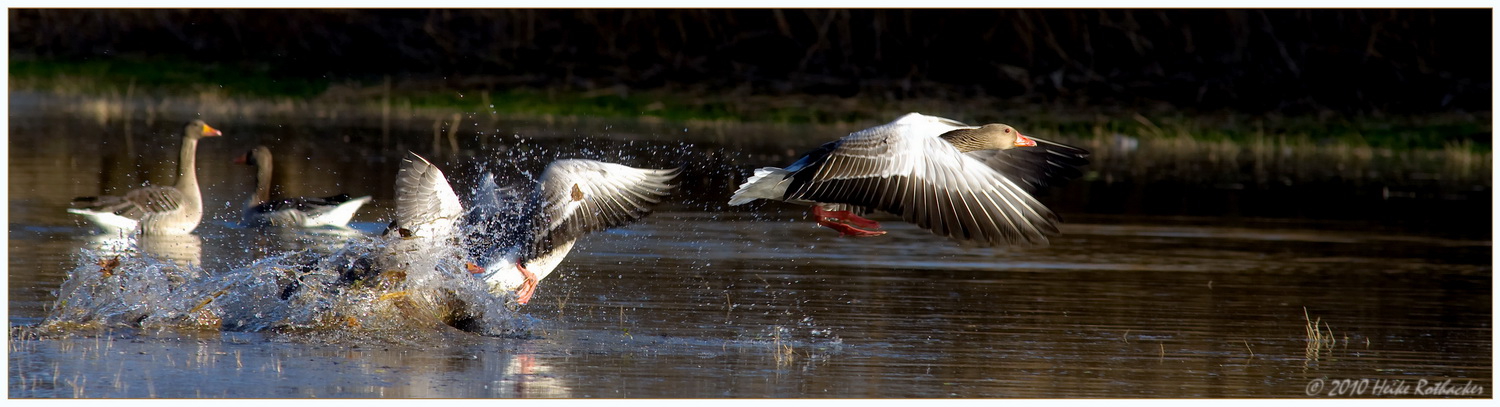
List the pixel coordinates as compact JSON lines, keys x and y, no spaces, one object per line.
{"x":375,"y":288}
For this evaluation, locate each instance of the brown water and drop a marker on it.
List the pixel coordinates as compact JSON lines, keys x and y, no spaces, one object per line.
{"x":696,"y":301}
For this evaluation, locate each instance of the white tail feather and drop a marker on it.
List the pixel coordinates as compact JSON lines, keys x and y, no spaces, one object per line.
{"x":108,"y":221}
{"x":339,"y":215}
{"x":765,"y":184}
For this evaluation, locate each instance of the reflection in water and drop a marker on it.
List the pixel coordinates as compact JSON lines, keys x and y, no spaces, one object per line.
{"x":482,"y":373}
{"x":183,"y":250}
{"x":112,"y":244}
{"x":529,"y":376}
{"x":211,"y":365}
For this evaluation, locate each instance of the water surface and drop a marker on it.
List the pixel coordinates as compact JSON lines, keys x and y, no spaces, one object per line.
{"x":700,"y":301}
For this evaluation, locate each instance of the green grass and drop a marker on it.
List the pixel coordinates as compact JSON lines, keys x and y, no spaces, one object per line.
{"x":129,"y":78}
{"x":171,"y":76}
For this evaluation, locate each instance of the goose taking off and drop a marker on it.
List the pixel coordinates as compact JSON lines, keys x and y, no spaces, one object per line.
{"x":515,"y":239}
{"x":260,"y":210}
{"x":155,"y":210}
{"x":972,"y":184}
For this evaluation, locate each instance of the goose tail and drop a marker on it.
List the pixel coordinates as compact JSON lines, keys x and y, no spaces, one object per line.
{"x":764,"y":184}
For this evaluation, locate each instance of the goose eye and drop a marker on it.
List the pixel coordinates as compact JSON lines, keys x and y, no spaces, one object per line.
{"x":1007,"y":130}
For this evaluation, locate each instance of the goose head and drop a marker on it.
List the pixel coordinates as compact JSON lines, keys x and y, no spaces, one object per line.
{"x":197,"y":129}
{"x":993,"y":136}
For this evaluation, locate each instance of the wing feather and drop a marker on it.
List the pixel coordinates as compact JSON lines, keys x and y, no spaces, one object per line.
{"x":425,"y":203}
{"x":904,"y":169}
{"x":157,"y":199}
{"x":583,"y":196}
{"x":1046,"y":164}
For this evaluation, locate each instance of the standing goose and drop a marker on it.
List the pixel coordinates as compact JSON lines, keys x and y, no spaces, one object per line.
{"x":514,"y":240}
{"x":305,"y":212}
{"x":159,"y":210}
{"x":972,"y":184}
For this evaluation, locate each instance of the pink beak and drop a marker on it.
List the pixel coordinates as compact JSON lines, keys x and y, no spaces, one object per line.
{"x":1023,"y":141}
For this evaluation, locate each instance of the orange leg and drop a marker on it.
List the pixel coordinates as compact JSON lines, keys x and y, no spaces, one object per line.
{"x":523,"y":295}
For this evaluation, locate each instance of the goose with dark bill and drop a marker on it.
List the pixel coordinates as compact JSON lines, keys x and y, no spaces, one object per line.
{"x":261,"y":210}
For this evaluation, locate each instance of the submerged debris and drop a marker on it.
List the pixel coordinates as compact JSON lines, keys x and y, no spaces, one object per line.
{"x":107,"y":266}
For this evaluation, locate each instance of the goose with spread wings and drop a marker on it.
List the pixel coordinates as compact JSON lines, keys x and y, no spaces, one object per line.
{"x":972,"y":184}
{"x":155,"y":210}
{"x":514,"y":238}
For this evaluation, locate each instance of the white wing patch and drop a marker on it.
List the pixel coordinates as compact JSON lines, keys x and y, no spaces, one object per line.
{"x":583,"y":196}
{"x":425,"y":204}
{"x":903,"y":167}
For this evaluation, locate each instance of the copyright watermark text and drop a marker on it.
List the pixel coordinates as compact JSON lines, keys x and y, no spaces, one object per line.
{"x":1392,"y":388}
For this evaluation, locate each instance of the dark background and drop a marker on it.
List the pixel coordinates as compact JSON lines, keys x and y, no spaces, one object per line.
{"x":1407,"y":61}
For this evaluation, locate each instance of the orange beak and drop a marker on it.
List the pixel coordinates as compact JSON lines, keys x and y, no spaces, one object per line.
{"x":242,"y":159}
{"x":1023,"y":141}
{"x":211,"y":132}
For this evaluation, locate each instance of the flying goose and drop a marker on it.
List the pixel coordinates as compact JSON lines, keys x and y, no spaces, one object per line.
{"x":515,"y":239}
{"x":972,"y":184}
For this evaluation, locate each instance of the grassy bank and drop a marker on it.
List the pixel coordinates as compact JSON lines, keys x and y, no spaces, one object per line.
{"x":261,"y":88}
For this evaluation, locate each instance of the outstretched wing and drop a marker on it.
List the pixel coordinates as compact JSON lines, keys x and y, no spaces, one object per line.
{"x":1038,"y":167}
{"x":425,"y":204}
{"x":903,"y":168}
{"x":583,"y":196}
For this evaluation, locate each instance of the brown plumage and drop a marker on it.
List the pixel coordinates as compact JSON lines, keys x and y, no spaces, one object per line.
{"x":158,"y":210}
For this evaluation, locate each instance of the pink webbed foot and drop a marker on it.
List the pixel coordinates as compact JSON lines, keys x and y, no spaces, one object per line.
{"x":844,"y":222}
{"x":846,"y":216}
{"x":523,"y":295}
